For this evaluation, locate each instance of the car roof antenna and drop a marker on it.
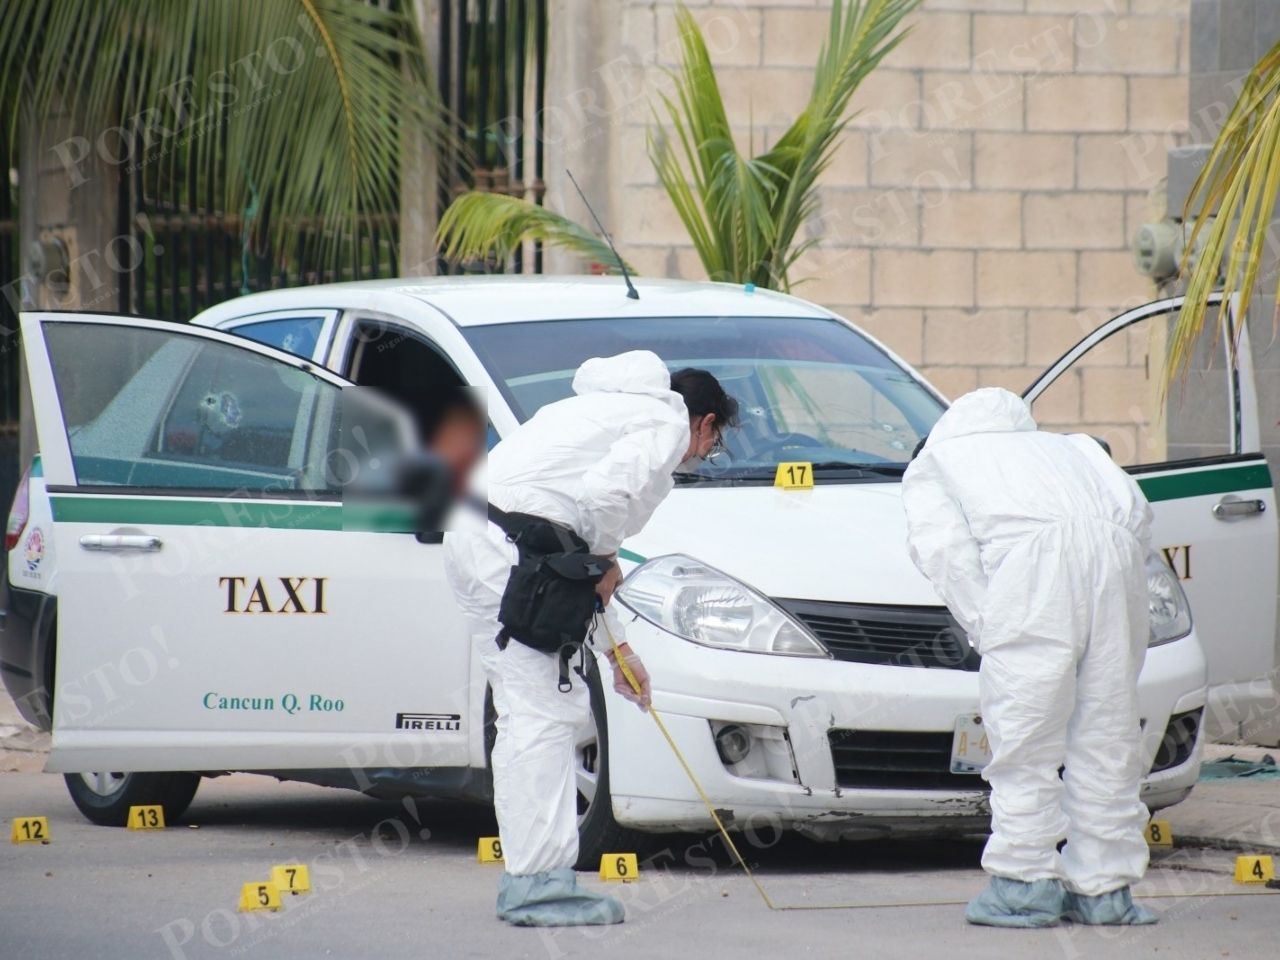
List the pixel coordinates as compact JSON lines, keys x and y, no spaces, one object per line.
{"x":632,"y":293}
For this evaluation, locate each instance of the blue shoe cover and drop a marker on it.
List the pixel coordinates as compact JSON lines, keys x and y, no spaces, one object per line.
{"x":1013,"y":903}
{"x":553,"y":899}
{"x":1108,"y":909}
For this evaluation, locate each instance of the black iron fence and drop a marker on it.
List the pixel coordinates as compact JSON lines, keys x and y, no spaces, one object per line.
{"x":193,"y":258}
{"x":492,"y":75}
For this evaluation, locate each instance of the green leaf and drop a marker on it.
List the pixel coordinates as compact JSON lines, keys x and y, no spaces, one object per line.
{"x":478,"y":226}
{"x":305,"y":102}
{"x":1241,"y":181}
{"x":744,"y":214}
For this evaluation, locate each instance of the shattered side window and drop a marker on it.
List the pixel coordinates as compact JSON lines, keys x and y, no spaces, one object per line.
{"x":235,"y":408}
{"x":161,"y":409}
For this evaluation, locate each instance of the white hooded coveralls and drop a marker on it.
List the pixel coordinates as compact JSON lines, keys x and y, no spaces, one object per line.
{"x":1037,"y":543}
{"x":600,"y":463}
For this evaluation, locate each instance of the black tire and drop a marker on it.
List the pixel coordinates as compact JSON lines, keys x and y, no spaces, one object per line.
{"x":108,"y":804}
{"x":598,"y":832}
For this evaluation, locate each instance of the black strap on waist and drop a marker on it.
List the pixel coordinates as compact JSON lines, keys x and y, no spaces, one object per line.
{"x":515,"y":525}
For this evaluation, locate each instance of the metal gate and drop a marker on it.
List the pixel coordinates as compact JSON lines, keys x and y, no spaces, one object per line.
{"x":492,"y":75}
{"x":195,"y":255}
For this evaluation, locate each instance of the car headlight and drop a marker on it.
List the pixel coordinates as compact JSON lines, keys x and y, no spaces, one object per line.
{"x":699,"y":603}
{"x":1170,"y":612}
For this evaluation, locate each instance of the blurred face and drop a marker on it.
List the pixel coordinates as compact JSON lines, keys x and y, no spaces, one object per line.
{"x":460,"y":442}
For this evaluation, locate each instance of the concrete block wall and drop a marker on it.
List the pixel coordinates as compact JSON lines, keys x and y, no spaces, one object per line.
{"x":977,"y":216}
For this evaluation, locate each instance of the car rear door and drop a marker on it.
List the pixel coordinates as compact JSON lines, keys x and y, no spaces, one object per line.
{"x":1197,"y":455}
{"x":218,"y":607}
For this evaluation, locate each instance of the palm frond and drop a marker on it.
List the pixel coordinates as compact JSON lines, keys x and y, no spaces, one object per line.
{"x":477,"y":226}
{"x":859,"y":36}
{"x":304,"y":103}
{"x":1239,"y":184}
{"x":743,"y":214}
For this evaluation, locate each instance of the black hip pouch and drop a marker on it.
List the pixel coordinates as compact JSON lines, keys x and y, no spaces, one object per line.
{"x":550,"y":597}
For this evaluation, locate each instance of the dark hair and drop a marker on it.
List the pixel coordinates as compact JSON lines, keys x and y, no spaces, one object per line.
{"x":703,"y":394}
{"x":445,"y":404}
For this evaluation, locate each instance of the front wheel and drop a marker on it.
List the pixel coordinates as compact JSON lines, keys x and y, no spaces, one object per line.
{"x":598,"y":832}
{"x":105,"y":798}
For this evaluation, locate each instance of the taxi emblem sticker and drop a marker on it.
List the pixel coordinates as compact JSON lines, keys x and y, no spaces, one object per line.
{"x":34,"y":548}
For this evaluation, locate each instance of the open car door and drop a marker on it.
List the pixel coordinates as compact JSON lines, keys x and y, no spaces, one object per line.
{"x":1197,"y":455}
{"x":216,"y":611}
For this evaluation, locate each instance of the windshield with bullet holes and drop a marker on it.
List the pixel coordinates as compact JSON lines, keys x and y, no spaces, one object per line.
{"x":811,"y":390}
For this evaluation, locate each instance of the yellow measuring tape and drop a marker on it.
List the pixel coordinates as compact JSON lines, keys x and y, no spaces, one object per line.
{"x":635,"y":685}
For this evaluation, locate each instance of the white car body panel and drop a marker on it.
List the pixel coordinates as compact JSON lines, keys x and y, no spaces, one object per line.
{"x":824,"y":543}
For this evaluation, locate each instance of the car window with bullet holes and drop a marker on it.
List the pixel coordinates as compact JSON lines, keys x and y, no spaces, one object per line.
{"x":149,"y":408}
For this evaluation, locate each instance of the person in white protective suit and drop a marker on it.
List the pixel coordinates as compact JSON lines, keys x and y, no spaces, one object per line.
{"x":599,"y":463}
{"x":1036,"y":542}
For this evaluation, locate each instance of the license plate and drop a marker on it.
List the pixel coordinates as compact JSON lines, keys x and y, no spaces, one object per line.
{"x":970,"y":748}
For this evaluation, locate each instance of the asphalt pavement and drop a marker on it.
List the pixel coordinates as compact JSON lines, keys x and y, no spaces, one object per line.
{"x":399,"y":881}
{"x":396,"y":880}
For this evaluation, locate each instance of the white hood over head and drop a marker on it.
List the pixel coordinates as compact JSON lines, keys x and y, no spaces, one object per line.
{"x":989,"y":410}
{"x":639,"y":372}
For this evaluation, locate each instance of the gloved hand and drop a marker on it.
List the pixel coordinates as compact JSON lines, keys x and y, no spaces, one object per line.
{"x":611,"y":581}
{"x":623,"y":686}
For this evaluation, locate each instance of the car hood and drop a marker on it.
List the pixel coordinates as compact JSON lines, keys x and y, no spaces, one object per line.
{"x":845,"y":543}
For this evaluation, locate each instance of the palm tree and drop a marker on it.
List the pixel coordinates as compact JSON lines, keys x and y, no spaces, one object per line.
{"x":742,"y":213}
{"x":294,"y":106}
{"x":1241,"y":181}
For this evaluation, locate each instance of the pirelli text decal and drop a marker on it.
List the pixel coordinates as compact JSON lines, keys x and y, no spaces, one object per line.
{"x":428,"y":721}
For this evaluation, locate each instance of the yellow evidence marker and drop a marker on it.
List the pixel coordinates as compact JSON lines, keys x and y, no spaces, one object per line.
{"x":794,"y":476}
{"x":1158,"y":834}
{"x":259,"y":896}
{"x":1254,"y":869}
{"x":490,"y":850}
{"x":619,"y":866}
{"x":29,"y":830}
{"x":146,"y":818}
{"x":291,"y":878}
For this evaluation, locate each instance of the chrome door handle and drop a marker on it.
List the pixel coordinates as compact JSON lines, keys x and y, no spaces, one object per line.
{"x":119,"y":541}
{"x":1228,"y":508}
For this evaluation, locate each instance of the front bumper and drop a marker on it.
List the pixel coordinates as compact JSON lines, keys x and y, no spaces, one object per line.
{"x":805,"y":700}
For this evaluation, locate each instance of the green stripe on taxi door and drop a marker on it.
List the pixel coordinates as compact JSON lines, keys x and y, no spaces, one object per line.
{"x":182,"y":511}
{"x":1253,"y":475}
{"x":309,"y":515}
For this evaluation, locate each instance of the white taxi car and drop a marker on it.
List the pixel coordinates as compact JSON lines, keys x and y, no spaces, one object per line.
{"x":185,"y":594}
